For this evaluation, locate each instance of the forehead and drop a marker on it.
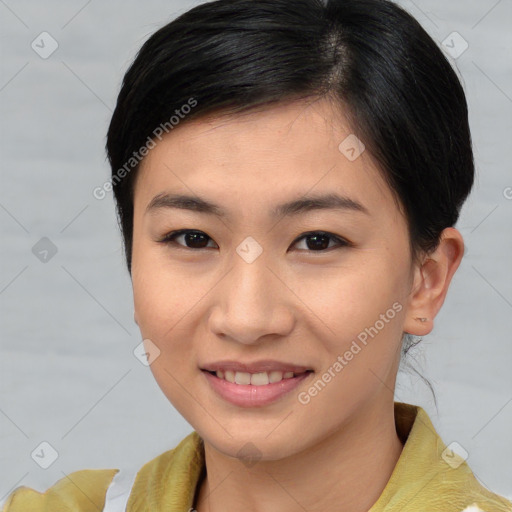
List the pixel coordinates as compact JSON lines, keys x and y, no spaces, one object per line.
{"x":264,"y":157}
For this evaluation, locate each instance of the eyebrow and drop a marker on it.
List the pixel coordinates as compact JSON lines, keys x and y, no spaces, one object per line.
{"x":305,"y":204}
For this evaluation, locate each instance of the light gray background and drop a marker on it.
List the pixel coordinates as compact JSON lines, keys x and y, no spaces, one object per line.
{"x":68,"y":374}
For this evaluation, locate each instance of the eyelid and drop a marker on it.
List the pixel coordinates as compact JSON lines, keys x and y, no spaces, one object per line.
{"x":170,"y":237}
{"x":342,"y":242}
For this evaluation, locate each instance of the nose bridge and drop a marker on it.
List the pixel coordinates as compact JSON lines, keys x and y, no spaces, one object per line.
{"x":247,"y":293}
{"x":249,"y":302}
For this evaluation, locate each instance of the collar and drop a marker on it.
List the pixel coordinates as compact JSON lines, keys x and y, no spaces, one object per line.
{"x":427,"y":474}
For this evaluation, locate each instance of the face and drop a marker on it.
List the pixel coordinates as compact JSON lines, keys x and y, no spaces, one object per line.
{"x":319,"y":288}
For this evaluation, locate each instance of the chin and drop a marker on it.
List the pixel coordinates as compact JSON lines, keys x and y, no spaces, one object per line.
{"x":251,"y":445}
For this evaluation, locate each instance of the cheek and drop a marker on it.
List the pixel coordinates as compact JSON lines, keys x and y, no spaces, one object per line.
{"x":360,"y":317}
{"x":162,"y":302}
{"x":159,"y":302}
{"x":169,"y":302}
{"x":347,"y":299}
{"x":160,"y":293}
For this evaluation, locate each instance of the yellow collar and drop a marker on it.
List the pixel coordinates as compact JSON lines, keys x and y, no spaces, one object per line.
{"x":427,"y":474}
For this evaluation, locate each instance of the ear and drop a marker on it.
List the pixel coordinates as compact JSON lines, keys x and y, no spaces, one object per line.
{"x":431,"y":281}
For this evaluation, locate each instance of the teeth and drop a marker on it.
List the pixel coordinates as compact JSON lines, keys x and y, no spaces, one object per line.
{"x":259,"y":379}
{"x":242,"y":378}
{"x":275,"y":376}
{"x":255,"y":379}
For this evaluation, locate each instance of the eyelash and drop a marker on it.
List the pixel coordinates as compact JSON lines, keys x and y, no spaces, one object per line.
{"x":169,"y":239}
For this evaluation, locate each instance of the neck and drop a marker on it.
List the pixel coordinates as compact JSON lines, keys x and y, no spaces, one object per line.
{"x":347,"y":470}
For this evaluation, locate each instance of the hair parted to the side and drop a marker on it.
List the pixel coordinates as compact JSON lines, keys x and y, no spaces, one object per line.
{"x":392,"y":81}
{"x":373,"y":59}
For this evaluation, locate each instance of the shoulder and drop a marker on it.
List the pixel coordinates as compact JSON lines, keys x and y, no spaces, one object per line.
{"x":431,"y":473}
{"x":468,"y":493}
{"x":109,"y":490}
{"x":169,"y":478}
{"x":80,"y":491}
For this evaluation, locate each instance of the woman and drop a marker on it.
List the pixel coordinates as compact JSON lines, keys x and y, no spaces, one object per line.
{"x":288,"y":175}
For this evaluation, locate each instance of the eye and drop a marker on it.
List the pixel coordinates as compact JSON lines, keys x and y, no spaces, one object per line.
{"x":197,"y":239}
{"x":316,"y":241}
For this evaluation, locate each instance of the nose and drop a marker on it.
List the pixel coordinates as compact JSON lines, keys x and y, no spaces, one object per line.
{"x":252,"y":302}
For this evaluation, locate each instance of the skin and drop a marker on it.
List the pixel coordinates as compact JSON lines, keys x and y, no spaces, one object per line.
{"x":294,"y":303}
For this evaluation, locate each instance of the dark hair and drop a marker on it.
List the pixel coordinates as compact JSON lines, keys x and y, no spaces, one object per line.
{"x":397,"y":89}
{"x":401,"y":95}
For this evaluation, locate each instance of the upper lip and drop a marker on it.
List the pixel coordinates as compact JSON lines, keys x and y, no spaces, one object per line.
{"x":255,"y":367}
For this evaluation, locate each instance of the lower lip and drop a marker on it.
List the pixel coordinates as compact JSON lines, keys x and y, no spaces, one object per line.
{"x":247,"y":395}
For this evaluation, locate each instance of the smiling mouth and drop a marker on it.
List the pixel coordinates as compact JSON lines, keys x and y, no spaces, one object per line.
{"x":257,"y":378}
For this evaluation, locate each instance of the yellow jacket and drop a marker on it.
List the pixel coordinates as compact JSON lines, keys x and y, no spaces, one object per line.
{"x":427,"y":477}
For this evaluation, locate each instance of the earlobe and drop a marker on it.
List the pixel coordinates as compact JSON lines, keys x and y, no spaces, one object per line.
{"x":431,"y":282}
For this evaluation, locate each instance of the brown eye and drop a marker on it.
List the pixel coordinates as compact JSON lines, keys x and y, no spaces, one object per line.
{"x":192,"y":239}
{"x":318,"y":241}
